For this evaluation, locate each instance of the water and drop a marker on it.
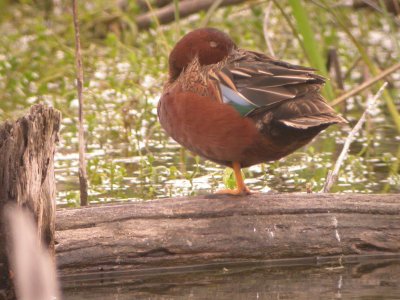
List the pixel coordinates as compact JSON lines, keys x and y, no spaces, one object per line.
{"x":130,"y":158}
{"x":163,"y":169}
{"x":376,"y":278}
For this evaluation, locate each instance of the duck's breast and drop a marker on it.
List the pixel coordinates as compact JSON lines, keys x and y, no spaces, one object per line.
{"x":209,"y":128}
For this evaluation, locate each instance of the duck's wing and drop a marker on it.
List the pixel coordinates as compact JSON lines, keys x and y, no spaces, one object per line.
{"x":256,"y":84}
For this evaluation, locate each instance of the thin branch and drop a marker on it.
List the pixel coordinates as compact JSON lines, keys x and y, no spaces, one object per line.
{"x":332,"y":175}
{"x":79,"y":84}
{"x":352,"y":67}
{"x":366,"y":84}
{"x":265,"y":29}
{"x":333,"y":63}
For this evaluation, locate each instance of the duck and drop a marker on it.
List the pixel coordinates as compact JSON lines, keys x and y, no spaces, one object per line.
{"x":237,"y":107}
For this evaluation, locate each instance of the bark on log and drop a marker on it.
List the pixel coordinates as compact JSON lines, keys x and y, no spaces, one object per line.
{"x":213,"y":229}
{"x":166,"y":14}
{"x":27,"y":174}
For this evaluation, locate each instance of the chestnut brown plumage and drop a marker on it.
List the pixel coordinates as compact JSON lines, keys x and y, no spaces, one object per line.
{"x":239,"y":108}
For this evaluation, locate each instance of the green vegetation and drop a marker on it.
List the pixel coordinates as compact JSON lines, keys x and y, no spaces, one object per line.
{"x":310,"y":44}
{"x":129,"y":155}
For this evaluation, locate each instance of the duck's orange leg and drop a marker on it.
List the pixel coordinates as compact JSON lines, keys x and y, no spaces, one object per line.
{"x":241,"y":188}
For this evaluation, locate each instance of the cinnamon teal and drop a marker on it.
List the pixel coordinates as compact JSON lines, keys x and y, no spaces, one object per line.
{"x":237,"y":107}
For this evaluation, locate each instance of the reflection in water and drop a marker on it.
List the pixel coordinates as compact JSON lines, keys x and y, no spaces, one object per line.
{"x":375,"y":279}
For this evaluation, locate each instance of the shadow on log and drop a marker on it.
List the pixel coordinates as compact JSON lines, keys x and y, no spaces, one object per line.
{"x":27,"y":174}
{"x":215,"y":229}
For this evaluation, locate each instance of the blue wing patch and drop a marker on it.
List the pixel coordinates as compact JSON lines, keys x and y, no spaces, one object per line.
{"x":236,"y":100}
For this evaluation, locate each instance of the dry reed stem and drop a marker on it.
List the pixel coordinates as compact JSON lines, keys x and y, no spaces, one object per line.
{"x":366,"y":84}
{"x":333,"y":174}
{"x":83,"y":184}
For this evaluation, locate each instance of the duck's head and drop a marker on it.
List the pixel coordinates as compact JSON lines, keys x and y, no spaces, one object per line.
{"x":209,"y":44}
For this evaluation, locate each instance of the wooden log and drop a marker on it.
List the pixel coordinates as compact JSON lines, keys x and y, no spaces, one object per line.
{"x":157,"y":3}
{"x":392,"y":6}
{"x":214,"y":229}
{"x":166,"y":14}
{"x":27,"y":174}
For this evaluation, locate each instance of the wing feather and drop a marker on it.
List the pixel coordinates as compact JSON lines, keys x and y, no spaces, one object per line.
{"x":262,"y":81}
{"x":255,"y":84}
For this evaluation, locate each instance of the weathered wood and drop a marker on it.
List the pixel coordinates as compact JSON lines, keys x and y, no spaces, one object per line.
{"x":166,"y":14}
{"x":392,"y":6}
{"x":210,"y":229}
{"x":157,"y":3}
{"x":26,"y":171}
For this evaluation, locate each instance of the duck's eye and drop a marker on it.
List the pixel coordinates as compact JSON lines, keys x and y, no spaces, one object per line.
{"x":213,"y":44}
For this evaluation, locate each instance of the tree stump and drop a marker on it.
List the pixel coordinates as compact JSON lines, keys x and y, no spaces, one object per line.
{"x":27,"y":149}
